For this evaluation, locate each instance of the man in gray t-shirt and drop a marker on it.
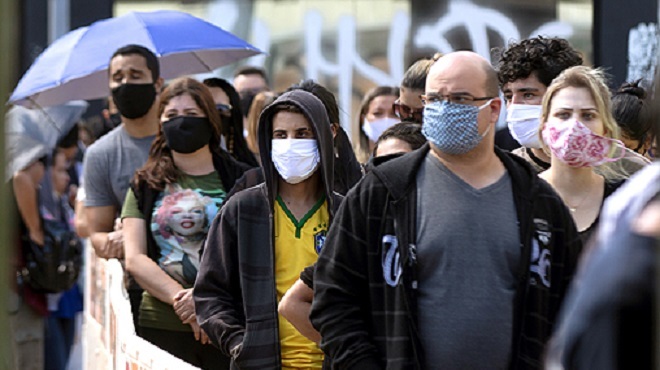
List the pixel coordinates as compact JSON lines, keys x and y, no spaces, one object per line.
{"x":110,"y":164}
{"x":111,"y":161}
{"x":466,"y":269}
{"x":454,"y":256}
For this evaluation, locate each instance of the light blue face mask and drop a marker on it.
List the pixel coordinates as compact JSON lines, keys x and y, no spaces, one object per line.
{"x":451,"y":127}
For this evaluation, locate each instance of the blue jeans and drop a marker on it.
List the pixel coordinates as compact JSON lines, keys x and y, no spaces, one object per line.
{"x":59,"y":339}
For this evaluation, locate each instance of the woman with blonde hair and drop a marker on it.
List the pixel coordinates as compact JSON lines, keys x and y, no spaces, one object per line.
{"x":580,"y":134}
{"x":408,"y":107}
{"x":260,"y":101}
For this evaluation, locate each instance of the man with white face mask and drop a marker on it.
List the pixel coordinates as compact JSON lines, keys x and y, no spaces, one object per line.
{"x":525,"y":70}
{"x":266,"y":235}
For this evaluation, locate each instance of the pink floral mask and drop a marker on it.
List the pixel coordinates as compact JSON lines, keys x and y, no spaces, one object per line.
{"x":576,"y":145}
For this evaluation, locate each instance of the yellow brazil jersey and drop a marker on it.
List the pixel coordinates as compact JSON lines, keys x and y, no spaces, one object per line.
{"x":297,"y":244}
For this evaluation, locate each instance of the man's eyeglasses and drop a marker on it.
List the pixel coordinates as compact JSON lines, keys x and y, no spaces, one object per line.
{"x":465,"y":99}
{"x":405,"y":112}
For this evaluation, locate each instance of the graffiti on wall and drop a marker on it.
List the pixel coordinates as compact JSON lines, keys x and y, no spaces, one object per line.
{"x":477,"y":21}
{"x":349,"y":63}
{"x":642,"y":52}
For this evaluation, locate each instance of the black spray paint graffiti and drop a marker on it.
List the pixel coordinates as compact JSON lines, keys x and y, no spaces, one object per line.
{"x":642,"y":52}
{"x":477,"y":20}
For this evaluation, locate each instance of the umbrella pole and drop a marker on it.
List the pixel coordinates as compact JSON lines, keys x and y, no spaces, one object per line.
{"x":8,"y":47}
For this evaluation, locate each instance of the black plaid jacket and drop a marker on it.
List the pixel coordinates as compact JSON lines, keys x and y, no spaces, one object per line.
{"x":365,"y":279}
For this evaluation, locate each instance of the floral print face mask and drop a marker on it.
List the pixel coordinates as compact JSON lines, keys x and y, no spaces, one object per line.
{"x":576,"y":145}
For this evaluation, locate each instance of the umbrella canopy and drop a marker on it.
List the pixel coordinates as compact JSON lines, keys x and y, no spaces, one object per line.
{"x":76,"y":65}
{"x":33,"y":133}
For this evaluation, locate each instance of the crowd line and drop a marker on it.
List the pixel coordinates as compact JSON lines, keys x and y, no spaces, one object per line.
{"x":258,"y":234}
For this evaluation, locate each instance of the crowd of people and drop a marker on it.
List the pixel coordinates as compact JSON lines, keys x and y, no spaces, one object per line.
{"x":257,"y":235}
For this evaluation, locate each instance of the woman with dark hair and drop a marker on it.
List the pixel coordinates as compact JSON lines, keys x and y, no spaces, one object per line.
{"x":633,"y":114}
{"x":228,"y":104}
{"x":403,"y":137}
{"x":376,"y":115}
{"x":166,"y":216}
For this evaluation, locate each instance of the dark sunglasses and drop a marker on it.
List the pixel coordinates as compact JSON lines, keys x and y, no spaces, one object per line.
{"x":405,"y":112}
{"x":223,"y":107}
{"x":224,"y":110}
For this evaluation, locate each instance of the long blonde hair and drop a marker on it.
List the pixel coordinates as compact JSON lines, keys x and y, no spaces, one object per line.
{"x":260,"y":101}
{"x":594,"y":80}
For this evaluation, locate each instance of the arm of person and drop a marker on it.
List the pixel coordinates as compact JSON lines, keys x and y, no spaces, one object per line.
{"x":101,"y":206}
{"x":648,"y":222}
{"x":80,"y":220}
{"x":25,"y":185}
{"x":341,"y":287}
{"x":248,"y":179}
{"x":295,"y":306}
{"x":184,"y":307}
{"x":106,"y":242}
{"x":149,"y":275}
{"x":217,"y":292}
{"x":145,"y":271}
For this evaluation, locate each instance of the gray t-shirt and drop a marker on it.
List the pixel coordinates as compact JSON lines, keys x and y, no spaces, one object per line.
{"x":468,"y":249}
{"x":109,"y":167}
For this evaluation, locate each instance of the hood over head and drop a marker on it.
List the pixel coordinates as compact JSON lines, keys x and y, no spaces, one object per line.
{"x":314,"y":110}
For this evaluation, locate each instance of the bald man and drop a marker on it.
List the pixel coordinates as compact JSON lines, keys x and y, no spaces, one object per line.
{"x":455,"y":256}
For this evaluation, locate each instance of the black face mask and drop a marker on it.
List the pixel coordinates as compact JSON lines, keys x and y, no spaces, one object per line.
{"x":115,"y":120}
{"x":246,"y":102}
{"x":185,"y":134}
{"x":109,"y":124}
{"x":134,"y":100}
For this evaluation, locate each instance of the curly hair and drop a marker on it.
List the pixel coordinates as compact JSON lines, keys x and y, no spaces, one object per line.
{"x":546,"y":58}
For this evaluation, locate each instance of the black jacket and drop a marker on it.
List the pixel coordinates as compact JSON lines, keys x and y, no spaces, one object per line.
{"x":368,"y":324}
{"x":235,"y":292}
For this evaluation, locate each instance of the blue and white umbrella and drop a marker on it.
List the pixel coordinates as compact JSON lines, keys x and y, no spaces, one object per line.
{"x":33,"y":133}
{"x":76,"y":65}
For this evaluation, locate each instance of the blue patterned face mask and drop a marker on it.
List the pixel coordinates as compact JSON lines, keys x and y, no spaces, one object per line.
{"x":452,"y":127}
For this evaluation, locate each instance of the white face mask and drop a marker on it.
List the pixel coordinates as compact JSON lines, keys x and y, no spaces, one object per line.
{"x":523,"y":121}
{"x":375,"y":128}
{"x":295,"y":159}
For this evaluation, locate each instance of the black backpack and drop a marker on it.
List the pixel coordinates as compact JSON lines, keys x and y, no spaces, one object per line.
{"x":53,"y":267}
